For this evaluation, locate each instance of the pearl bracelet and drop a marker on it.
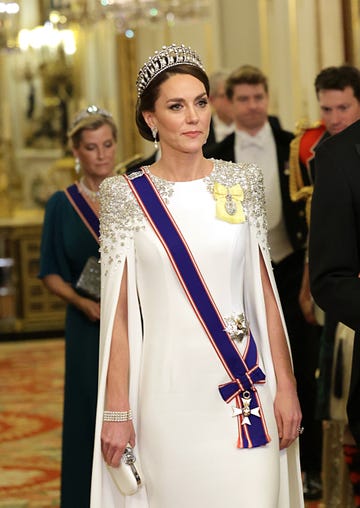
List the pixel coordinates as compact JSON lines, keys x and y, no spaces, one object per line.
{"x":117,"y":416}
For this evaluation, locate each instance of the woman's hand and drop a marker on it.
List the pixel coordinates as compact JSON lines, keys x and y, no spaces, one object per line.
{"x":288,"y":415}
{"x":90,"y":308}
{"x":114,"y":438}
{"x":59,"y":287}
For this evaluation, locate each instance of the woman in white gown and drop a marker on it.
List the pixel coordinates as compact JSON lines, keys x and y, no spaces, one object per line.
{"x":158,"y":363}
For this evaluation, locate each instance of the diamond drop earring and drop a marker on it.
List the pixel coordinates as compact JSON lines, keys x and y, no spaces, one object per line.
{"x":77,"y":165}
{"x":154,"y":132}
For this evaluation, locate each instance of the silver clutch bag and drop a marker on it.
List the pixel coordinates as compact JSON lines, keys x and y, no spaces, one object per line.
{"x":128,"y":476}
{"x":88,"y":283}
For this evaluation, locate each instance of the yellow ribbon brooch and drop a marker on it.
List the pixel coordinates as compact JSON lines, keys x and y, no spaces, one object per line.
{"x":228,"y":203}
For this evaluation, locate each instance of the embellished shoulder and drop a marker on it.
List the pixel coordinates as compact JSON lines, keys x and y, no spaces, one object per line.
{"x":250,"y":177}
{"x":120,"y":216}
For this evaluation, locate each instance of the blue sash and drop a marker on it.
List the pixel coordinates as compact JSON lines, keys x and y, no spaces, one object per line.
{"x":84,"y":210}
{"x":243,"y":371}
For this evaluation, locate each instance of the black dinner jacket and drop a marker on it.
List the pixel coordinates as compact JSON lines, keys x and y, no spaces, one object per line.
{"x":294,"y":214}
{"x":334,"y":248}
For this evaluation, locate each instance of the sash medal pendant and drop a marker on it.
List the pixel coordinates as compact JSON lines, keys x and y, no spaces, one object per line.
{"x":246,"y":411}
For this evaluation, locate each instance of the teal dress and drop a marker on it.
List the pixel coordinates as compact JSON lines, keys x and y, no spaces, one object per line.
{"x":66,"y":245}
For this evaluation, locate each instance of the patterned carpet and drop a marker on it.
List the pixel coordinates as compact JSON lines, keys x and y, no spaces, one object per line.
{"x":31,"y":393}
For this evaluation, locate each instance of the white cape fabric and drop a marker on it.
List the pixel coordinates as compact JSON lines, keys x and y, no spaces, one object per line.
{"x":186,"y":435}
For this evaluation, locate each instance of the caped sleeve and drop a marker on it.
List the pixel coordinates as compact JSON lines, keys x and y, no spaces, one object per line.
{"x":53,"y":259}
{"x":120,"y":216}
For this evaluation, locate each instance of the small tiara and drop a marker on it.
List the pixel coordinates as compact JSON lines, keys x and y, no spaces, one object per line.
{"x":90,"y":110}
{"x":167,"y":57}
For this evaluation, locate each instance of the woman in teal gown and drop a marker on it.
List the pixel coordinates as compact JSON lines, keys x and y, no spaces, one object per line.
{"x":69,"y":239}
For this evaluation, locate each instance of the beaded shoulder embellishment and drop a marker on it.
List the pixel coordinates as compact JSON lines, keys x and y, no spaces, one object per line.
{"x":121,"y":215}
{"x":250,"y":179}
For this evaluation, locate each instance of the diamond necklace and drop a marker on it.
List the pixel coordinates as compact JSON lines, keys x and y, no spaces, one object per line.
{"x":93,"y":195}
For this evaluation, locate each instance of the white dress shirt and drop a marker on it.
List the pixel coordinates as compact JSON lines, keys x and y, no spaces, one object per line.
{"x":221,"y":129}
{"x":261,"y":150}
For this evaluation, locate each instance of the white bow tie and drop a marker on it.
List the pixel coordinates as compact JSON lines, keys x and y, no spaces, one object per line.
{"x":249,"y":142}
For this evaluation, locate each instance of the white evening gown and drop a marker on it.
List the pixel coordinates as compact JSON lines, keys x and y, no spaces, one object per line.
{"x":186,"y":434}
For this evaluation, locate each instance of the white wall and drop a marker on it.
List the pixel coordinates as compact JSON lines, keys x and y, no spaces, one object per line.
{"x":239,"y":26}
{"x":290,"y":40}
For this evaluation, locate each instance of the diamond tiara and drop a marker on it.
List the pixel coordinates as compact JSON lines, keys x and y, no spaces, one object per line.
{"x":90,"y":111}
{"x":167,"y":57}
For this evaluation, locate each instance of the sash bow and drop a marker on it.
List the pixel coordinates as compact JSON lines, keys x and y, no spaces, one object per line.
{"x":230,"y":390}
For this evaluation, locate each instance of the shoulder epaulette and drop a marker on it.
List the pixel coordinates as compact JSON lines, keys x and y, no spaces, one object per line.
{"x":309,"y":140}
{"x":302,"y":151}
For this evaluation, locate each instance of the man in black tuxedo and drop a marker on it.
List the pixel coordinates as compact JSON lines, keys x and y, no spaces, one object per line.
{"x":260,"y":139}
{"x":335,"y":244}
